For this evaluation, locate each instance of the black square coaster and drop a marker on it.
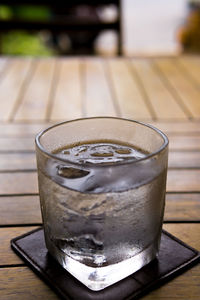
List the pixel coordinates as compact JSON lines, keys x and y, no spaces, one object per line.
{"x":174,"y":257}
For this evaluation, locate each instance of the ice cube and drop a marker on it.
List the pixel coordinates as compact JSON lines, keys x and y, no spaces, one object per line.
{"x":71,"y":173}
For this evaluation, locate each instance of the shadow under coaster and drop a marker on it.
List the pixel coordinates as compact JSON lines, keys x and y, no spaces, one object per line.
{"x":174,"y":257}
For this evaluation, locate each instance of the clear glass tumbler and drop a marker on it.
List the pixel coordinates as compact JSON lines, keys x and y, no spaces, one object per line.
{"x":102,"y":221}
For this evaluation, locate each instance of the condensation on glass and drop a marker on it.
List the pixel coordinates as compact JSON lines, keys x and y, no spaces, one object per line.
{"x":102,"y":221}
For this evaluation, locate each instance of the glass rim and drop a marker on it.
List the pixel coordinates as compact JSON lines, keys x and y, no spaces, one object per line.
{"x":129,"y":161}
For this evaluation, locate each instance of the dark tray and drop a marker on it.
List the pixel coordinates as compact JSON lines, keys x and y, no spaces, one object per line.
{"x":174,"y":257}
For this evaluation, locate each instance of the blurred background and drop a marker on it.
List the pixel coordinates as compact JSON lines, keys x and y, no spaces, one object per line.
{"x":127,"y":27}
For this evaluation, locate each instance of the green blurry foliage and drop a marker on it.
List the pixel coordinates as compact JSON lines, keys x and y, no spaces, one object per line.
{"x":23,"y":43}
{"x":5,"y":12}
{"x":20,"y":42}
{"x":31,"y":12}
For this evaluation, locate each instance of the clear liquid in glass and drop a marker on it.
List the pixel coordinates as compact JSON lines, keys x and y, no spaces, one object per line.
{"x":98,"y":224}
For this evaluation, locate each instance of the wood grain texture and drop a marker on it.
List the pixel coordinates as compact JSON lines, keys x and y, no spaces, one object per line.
{"x":27,"y":161}
{"x":183,"y":180}
{"x":163,"y":102}
{"x":34,"y":102}
{"x":30,"y":129}
{"x":191,"y":67}
{"x":67,"y":100}
{"x":188,"y":94}
{"x":7,"y":255}
{"x":185,"y":286}
{"x":21,"y":283}
{"x":14,"y":144}
{"x":177,"y":181}
{"x":176,"y":142}
{"x":181,"y":159}
{"x":3,"y":64}
{"x":17,"y":130}
{"x":18,"y":210}
{"x":188,"y":233}
{"x":97,"y":94}
{"x":17,"y":161}
{"x":18,"y":183}
{"x":12,"y":85}
{"x":177,"y":126}
{"x":126,"y":91}
{"x":184,"y":142}
{"x":164,"y":88}
{"x":182,"y":207}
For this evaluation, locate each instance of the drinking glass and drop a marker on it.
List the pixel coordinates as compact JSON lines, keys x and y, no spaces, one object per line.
{"x":102,"y":222}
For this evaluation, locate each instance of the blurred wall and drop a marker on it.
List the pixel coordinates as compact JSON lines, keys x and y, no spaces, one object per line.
{"x":150,"y":27}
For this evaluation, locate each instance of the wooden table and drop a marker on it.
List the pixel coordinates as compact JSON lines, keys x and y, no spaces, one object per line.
{"x":36,"y":92}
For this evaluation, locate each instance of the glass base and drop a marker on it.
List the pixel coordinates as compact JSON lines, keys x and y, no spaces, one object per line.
{"x":99,"y":278}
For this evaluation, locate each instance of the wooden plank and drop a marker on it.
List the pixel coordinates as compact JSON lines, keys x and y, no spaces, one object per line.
{"x":179,"y":207}
{"x":22,"y":129}
{"x":177,"y":127}
{"x":184,"y":142}
{"x":19,"y":281}
{"x":20,"y":210}
{"x":17,"y":144}
{"x":67,"y":102}
{"x":18,"y":183}
{"x":179,"y":159}
{"x":97,"y":95}
{"x":30,"y":129}
{"x":3,"y":65}
{"x":22,"y":283}
{"x":17,"y":161}
{"x":191,"y":66}
{"x":33,"y":105}
{"x":15,"y":282}
{"x":178,"y":181}
{"x":26,"y":161}
{"x":164,"y":104}
{"x":7,"y":256}
{"x":183,"y":180}
{"x":182,"y":207}
{"x":11,"y":86}
{"x":176,"y":142}
{"x":188,"y":233}
{"x":188,"y":94}
{"x":127,"y":92}
{"x":186,"y":286}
